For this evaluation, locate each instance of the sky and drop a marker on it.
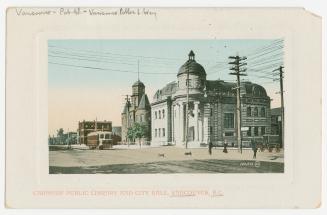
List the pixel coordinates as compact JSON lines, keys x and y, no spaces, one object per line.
{"x":88,"y":79}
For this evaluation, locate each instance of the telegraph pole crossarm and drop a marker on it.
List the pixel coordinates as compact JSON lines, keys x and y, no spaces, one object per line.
{"x":187,"y":102}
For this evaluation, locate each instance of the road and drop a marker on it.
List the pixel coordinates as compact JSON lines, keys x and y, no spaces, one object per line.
{"x":188,"y":166}
{"x":147,"y":160}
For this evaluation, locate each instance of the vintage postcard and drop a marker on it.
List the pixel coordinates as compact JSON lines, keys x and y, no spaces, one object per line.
{"x":165,"y":106}
{"x":185,"y":107}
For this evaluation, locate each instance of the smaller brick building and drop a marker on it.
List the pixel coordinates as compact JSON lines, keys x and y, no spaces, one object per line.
{"x":85,"y":127}
{"x":276,"y":122}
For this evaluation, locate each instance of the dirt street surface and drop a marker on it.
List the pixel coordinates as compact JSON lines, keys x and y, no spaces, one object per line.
{"x":162,"y":160}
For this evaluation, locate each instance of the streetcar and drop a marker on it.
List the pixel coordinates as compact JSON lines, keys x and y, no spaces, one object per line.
{"x":100,"y":140}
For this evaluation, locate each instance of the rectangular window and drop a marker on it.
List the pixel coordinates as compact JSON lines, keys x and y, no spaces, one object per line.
{"x":191,"y":133}
{"x":248,"y":111}
{"x":163,"y":132}
{"x":255,"y":111}
{"x":249,"y":132}
{"x":163,"y":114}
{"x":263,"y":130}
{"x":229,"y":120}
{"x":107,"y":136}
{"x":155,"y":132}
{"x":256,"y":132}
{"x":263,"y":112}
{"x":101,"y":136}
{"x":159,"y":132}
{"x":155,"y":115}
{"x":210,"y":111}
{"x":229,"y":134}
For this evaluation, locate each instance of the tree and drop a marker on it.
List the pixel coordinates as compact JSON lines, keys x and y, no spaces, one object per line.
{"x":60,"y":135}
{"x":130,"y":134}
{"x":50,"y":140}
{"x":137,"y":131}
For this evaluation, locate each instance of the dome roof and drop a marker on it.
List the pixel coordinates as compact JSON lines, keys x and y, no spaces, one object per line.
{"x":221,"y":86}
{"x":192,"y":67}
{"x":168,"y":90}
{"x":138,"y":83}
{"x":247,"y":88}
{"x":253,"y":89}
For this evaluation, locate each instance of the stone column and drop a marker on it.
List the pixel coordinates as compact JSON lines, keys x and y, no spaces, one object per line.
{"x":177,"y":124}
{"x":181,"y":122}
{"x":172,"y":118}
{"x":206,"y":123}
{"x":196,"y":115}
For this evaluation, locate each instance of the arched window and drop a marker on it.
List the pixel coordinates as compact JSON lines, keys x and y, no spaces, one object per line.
{"x":248,"y":111}
{"x":255,"y":111}
{"x":263,"y":112}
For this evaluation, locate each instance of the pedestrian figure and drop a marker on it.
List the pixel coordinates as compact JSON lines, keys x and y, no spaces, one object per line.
{"x":225,"y":147}
{"x":210,"y":147}
{"x":254,"y":148}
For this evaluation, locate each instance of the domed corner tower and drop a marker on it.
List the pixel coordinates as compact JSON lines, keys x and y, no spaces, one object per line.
{"x":195,"y":73}
{"x":138,"y":89}
{"x":124,"y":121}
{"x":143,"y":116}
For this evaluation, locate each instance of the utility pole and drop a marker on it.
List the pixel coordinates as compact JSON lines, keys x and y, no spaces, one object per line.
{"x":127,"y":117}
{"x":281,"y":77}
{"x":238,"y":71}
{"x":282,"y":100}
{"x":187,"y":104}
{"x":190,"y":60}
